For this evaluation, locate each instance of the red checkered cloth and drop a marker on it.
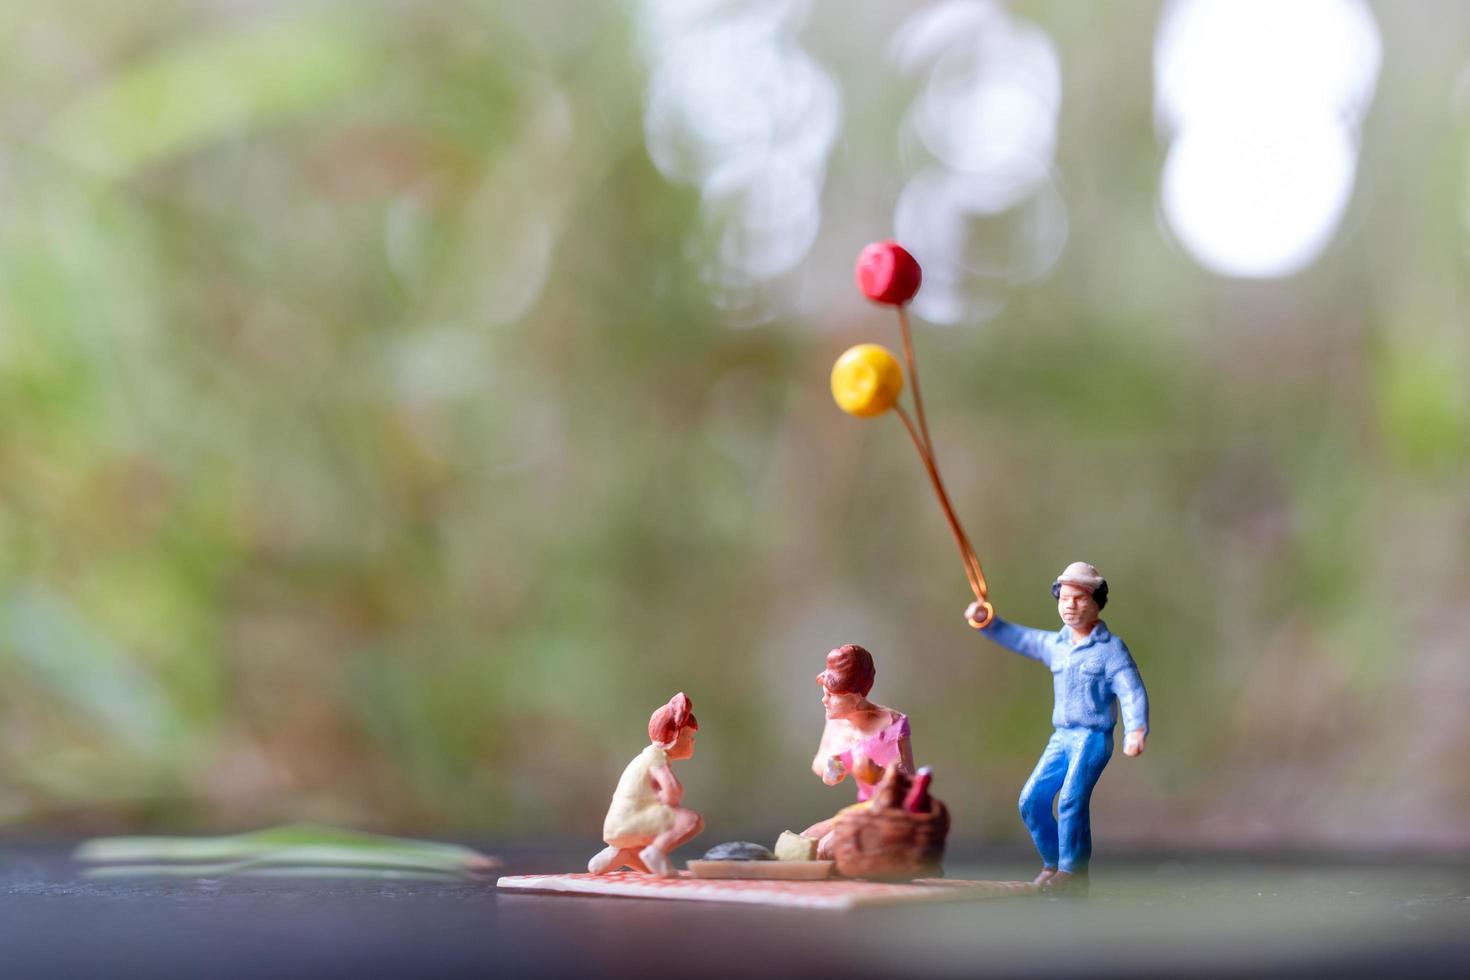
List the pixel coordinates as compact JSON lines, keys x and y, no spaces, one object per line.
{"x":837,"y":893}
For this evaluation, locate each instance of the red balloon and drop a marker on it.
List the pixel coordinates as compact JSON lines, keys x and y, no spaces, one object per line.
{"x":887,"y":273}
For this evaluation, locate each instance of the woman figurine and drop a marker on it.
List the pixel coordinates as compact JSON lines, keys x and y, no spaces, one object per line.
{"x":645,"y":821}
{"x":861,"y":738}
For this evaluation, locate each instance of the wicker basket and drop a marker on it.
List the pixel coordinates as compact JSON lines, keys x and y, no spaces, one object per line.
{"x":891,"y":843}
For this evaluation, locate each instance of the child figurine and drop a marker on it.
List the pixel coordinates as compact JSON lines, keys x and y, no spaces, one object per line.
{"x":1090,"y":667}
{"x":645,"y":822}
{"x":861,"y":738}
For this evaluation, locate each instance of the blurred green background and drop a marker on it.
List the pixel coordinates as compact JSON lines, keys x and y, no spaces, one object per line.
{"x":399,"y":401}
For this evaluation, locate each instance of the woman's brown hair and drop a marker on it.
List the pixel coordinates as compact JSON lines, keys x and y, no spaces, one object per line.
{"x":849,"y":670}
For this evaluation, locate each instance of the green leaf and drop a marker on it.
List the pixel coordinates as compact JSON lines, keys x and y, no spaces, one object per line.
{"x":246,"y":869}
{"x":293,"y":845}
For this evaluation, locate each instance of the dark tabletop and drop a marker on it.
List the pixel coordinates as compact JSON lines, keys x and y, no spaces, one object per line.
{"x":1145,"y":917}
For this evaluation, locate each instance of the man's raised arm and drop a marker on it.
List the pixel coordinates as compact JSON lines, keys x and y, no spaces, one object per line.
{"x":1024,"y":640}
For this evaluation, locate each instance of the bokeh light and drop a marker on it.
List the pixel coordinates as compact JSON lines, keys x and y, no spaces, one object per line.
{"x":736,"y":107}
{"x":1262,"y":199}
{"x":982,"y":212}
{"x":1262,"y":103}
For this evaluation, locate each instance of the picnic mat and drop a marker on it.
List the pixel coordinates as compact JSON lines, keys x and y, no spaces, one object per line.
{"x":841,"y":893}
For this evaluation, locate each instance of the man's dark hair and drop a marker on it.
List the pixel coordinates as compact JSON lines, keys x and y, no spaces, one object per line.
{"x":1099,"y":594}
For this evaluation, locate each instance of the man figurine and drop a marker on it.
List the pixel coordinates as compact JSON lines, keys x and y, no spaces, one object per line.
{"x":1090,"y":667}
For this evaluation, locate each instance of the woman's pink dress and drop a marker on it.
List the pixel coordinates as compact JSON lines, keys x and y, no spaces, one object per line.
{"x":882,"y":748}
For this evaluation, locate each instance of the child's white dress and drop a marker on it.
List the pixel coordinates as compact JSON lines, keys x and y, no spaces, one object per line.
{"x":636,"y":815}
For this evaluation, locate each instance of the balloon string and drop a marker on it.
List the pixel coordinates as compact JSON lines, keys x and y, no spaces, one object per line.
{"x":925,"y":445}
{"x":908,"y":356}
{"x":973,"y":572}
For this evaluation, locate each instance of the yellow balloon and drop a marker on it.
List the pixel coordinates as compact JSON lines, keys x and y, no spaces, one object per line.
{"x":866,"y":381}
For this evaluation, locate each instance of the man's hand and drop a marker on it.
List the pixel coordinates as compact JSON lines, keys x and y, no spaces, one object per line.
{"x":1133,"y":743}
{"x":975,"y":612}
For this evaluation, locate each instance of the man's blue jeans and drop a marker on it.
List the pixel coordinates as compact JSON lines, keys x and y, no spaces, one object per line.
{"x":1073,"y":760}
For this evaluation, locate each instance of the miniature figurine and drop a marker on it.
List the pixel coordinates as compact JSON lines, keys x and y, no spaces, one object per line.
{"x":1091,"y":667}
{"x":860,"y":739}
{"x":645,"y":822}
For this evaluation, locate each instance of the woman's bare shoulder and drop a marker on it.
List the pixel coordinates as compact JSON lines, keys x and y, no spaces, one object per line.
{"x":888,"y":716}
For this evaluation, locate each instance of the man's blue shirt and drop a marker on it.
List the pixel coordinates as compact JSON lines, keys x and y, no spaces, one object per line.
{"x":1087,"y":676}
